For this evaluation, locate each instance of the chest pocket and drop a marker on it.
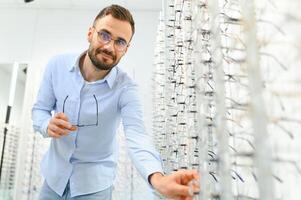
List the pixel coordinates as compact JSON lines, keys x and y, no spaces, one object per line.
{"x":69,"y":106}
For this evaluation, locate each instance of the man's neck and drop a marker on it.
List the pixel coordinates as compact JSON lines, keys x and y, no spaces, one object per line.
{"x":89,"y":72}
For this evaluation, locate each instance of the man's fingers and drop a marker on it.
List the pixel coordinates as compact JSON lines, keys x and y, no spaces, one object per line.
{"x":195,"y":174}
{"x":73,"y":128}
{"x":190,"y":172}
{"x":194,"y":187}
{"x":188,"y":198}
{"x":57,"y":130}
{"x":61,"y":115}
{"x":53,"y":134}
{"x":59,"y":126}
{"x":188,"y":175}
{"x":63,"y":124}
{"x":181,"y":190}
{"x":62,"y":121}
{"x":181,"y":185}
{"x":183,"y":198}
{"x":189,"y":178}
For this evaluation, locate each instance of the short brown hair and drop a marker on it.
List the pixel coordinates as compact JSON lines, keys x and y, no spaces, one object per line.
{"x":117,"y":12}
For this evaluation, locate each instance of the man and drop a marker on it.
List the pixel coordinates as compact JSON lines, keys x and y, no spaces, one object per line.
{"x":89,"y":95}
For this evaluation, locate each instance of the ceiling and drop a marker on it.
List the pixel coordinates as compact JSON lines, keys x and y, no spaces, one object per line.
{"x":154,"y":5}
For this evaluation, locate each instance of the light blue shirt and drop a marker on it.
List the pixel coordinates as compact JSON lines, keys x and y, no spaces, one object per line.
{"x":88,"y":156}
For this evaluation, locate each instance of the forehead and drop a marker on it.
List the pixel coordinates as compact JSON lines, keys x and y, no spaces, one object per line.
{"x":116,"y":27}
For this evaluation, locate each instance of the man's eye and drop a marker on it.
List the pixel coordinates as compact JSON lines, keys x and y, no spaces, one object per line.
{"x":105,"y":36}
{"x":121,"y":42}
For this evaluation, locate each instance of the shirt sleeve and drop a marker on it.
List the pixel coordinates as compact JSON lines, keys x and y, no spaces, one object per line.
{"x":142,"y":152}
{"x":41,"y":110}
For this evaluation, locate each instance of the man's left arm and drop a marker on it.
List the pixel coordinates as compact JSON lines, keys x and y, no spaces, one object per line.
{"x":143,"y":154}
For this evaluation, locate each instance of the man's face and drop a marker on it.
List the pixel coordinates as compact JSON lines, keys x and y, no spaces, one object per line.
{"x":106,"y":56}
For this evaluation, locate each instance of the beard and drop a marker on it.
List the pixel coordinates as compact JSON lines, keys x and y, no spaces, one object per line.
{"x":99,"y":64}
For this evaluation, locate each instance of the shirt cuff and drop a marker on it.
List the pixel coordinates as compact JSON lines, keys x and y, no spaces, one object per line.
{"x":44,"y":132}
{"x":149,"y":176}
{"x":150,"y":172}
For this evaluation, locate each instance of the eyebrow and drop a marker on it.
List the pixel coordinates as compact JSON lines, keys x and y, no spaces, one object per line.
{"x":118,"y":38}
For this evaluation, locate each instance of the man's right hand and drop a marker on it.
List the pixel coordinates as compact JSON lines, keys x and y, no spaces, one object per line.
{"x":59,"y":126}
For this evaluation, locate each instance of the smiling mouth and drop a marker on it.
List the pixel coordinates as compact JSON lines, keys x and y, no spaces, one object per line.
{"x":106,"y":56}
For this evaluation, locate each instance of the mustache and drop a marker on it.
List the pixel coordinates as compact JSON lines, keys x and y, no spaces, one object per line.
{"x":109,"y":53}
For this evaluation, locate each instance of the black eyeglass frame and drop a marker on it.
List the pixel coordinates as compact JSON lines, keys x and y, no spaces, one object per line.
{"x":83,"y":125}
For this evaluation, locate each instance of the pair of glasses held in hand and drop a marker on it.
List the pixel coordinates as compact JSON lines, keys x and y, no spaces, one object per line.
{"x":84,"y":125}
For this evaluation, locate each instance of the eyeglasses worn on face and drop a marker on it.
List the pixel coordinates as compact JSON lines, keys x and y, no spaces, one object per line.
{"x":105,"y":38}
{"x":83,"y":125}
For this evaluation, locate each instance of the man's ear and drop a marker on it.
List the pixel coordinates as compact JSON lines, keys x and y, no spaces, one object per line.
{"x":90,"y":34}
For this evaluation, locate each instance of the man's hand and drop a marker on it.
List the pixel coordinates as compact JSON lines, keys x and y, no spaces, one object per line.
{"x":59,"y":126}
{"x":175,"y":186}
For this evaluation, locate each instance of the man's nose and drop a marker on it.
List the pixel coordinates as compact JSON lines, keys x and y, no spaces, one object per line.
{"x":109,"y":45}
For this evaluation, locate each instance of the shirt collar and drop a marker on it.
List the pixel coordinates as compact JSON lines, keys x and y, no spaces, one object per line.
{"x":109,"y":78}
{"x":75,"y":65}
